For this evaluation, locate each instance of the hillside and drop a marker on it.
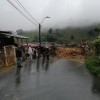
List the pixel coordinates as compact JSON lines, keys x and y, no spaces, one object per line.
{"x":62,"y":35}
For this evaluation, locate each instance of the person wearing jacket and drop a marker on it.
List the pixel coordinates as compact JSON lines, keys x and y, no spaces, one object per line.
{"x":47,"y":52}
{"x":19,"y":56}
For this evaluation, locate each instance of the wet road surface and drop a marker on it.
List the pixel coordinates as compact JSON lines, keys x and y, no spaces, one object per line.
{"x":57,"y":79}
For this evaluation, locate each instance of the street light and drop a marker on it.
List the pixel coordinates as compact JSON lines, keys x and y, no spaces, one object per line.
{"x":40,"y":29}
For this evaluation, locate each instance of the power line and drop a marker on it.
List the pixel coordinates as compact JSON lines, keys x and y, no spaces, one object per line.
{"x":23,"y":8}
{"x":21,"y":12}
{"x":44,"y":29}
{"x":19,"y":3}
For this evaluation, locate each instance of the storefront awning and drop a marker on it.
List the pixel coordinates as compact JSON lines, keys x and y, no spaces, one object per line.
{"x":13,"y":35}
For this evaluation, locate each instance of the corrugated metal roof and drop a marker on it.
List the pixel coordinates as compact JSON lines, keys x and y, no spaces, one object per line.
{"x":31,"y":44}
{"x":14,"y":35}
{"x":9,"y":32}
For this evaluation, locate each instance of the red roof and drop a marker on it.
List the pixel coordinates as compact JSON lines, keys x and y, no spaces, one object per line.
{"x":31,"y":44}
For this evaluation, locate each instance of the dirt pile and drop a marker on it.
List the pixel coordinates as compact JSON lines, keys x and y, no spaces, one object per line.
{"x":70,"y":53}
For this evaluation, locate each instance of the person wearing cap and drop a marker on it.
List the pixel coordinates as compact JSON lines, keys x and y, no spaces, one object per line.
{"x":47,"y":52}
{"x":19,"y":56}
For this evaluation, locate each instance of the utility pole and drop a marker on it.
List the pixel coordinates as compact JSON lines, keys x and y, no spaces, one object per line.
{"x":40,"y":30}
{"x":40,"y":34}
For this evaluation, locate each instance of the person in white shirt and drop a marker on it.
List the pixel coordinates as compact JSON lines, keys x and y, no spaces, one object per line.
{"x":30,"y":53}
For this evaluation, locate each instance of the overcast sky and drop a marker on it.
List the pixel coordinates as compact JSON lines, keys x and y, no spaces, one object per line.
{"x":63,"y":13}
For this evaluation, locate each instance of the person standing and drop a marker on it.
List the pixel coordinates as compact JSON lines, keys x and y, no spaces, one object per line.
{"x":19,"y":56}
{"x":26,"y":52}
{"x":30,"y":53}
{"x":47,"y":52}
{"x":43,"y":53}
{"x":38,"y":52}
{"x":34,"y":51}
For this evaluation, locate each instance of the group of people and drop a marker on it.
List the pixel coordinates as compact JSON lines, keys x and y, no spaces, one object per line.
{"x":38,"y":52}
{"x":32,"y":53}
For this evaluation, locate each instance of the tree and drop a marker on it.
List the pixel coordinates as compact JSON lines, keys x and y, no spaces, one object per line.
{"x":72,"y":37}
{"x":19,"y":31}
{"x":36,"y":38}
{"x":57,"y":32}
{"x":51,"y":38}
{"x":96,"y":43}
{"x":91,"y":33}
{"x":50,"y":31}
{"x":94,"y":32}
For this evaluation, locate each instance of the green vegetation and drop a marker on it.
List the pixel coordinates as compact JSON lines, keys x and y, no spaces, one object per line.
{"x":68,"y":34}
{"x":59,"y":35}
{"x":93,"y":65}
{"x":65,"y":35}
{"x":97,"y":47}
{"x":93,"y":60}
{"x":33,"y":35}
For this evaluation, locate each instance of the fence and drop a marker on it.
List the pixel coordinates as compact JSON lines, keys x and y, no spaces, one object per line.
{"x":8,"y":56}
{"x":2,"y":58}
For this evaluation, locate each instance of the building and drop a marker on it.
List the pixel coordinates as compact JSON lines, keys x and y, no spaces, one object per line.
{"x":7,"y":47}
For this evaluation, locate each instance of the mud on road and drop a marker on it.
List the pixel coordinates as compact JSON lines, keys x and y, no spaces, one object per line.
{"x":70,"y":53}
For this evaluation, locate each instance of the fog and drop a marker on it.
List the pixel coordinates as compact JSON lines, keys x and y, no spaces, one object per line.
{"x":63,"y":13}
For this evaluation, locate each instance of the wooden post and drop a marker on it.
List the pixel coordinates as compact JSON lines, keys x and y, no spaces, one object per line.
{"x":17,"y":40}
{"x":27,"y":42}
{"x":40,"y":34}
{"x":6,"y":62}
{"x":21,"y":41}
{"x":14,"y":53}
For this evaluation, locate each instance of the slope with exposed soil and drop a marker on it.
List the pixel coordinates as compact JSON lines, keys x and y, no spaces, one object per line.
{"x":70,"y":53}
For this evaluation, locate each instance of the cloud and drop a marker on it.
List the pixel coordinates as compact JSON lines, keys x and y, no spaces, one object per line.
{"x":74,"y":12}
{"x":63,"y":13}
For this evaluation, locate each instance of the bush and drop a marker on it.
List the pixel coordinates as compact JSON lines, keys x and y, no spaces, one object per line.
{"x":97,"y":46}
{"x":93,"y":65}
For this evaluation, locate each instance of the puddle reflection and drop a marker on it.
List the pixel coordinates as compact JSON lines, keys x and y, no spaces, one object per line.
{"x":29,"y":67}
{"x":42,"y":65}
{"x":43,"y":62}
{"x":47,"y":65}
{"x":18,"y":76}
{"x":38,"y":65}
{"x":96,"y":86}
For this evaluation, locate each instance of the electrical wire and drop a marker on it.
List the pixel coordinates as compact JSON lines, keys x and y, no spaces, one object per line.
{"x":19,"y":3}
{"x":21,"y":12}
{"x":44,"y":29}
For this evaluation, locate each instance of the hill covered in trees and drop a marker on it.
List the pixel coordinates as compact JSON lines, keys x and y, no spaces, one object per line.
{"x":64,"y":35}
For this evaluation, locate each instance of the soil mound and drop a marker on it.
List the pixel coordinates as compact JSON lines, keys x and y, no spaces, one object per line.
{"x":70,"y":53}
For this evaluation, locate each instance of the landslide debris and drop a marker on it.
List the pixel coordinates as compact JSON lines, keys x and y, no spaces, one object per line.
{"x":70,"y":53}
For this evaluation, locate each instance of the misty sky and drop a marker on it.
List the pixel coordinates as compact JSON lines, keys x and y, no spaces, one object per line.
{"x":63,"y":13}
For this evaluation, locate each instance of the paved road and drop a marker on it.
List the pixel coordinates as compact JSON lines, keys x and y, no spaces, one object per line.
{"x":57,"y":79}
